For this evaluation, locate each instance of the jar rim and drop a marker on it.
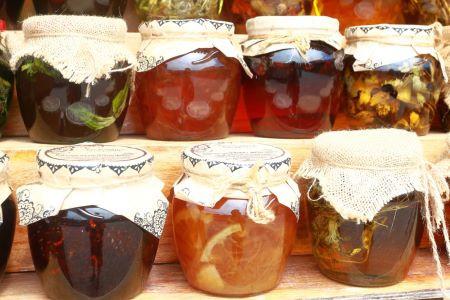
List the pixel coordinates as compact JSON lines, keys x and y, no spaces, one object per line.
{"x":191,"y":27}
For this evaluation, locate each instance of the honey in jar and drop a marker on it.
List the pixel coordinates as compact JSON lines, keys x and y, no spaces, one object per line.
{"x":188,"y":79}
{"x":228,"y":242}
{"x":365,"y":196}
{"x":109,"y":8}
{"x":426,"y":12}
{"x":72,"y":90}
{"x":393,"y":78}
{"x":296,"y":88}
{"x":92,"y":233}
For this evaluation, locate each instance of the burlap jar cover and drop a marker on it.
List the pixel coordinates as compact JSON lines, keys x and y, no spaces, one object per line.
{"x":240,"y":170}
{"x":376,"y":46}
{"x":83,"y":49}
{"x":270,"y":34}
{"x":116,"y":178}
{"x":5,"y":191}
{"x":375,"y":166}
{"x":166,"y":39}
{"x":444,"y":162}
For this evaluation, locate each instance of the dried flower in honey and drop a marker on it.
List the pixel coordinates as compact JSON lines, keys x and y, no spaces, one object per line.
{"x":149,"y":9}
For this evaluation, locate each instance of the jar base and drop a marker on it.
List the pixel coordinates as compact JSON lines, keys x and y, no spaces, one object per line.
{"x":362,"y":280}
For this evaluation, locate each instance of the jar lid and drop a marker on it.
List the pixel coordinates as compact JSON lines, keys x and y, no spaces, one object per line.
{"x":221,"y":158}
{"x":188,"y":27}
{"x":397,"y":34}
{"x":100,"y":28}
{"x":272,"y":24}
{"x":89,"y":164}
{"x":372,"y":149}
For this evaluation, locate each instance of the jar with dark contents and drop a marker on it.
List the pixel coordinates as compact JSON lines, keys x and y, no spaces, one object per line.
{"x":10,"y":12}
{"x":108,"y":8}
{"x":376,"y":253}
{"x":6,"y":87}
{"x":229,"y":243}
{"x":8,"y":212}
{"x":188,"y":79}
{"x":73,"y":90}
{"x":85,"y":241}
{"x":366,"y":194}
{"x":296,"y":88}
{"x":442,"y":120}
{"x":397,"y":84}
{"x":426,"y":12}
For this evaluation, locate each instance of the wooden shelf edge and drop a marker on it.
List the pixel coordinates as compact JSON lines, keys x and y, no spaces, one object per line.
{"x":301,"y":280}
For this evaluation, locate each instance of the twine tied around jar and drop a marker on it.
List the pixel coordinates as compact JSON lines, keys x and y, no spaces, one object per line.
{"x":253,"y":184}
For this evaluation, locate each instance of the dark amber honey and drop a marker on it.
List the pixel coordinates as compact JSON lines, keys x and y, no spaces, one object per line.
{"x":6,"y":232}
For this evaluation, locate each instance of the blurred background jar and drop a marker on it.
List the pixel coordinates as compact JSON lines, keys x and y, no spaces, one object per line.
{"x":393,"y":77}
{"x":110,"y":8}
{"x":179,"y":9}
{"x":296,"y":87}
{"x":239,"y":11}
{"x":426,"y":12}
{"x":10,"y":12}
{"x":358,"y":12}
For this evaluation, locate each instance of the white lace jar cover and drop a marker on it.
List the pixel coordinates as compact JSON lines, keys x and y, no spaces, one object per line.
{"x":275,"y":33}
{"x":374,"y":167}
{"x":116,"y":178}
{"x":83,"y":49}
{"x":5,"y":191}
{"x":166,"y":39}
{"x":375,"y":46}
{"x":238,"y":170}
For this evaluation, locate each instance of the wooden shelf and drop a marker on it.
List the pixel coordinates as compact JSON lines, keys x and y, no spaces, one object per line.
{"x":301,"y":280}
{"x":22,"y":171}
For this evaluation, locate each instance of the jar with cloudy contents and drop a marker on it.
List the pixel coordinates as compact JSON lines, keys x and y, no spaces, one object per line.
{"x":8,"y":212}
{"x":106,"y":8}
{"x":188,"y":79}
{"x":94,"y":220}
{"x":393,"y":77}
{"x":235,"y":213}
{"x":296,"y":87}
{"x":73,"y":78}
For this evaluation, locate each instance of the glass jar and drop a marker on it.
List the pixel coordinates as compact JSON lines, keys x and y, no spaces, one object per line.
{"x":443,"y":111}
{"x":228,"y":242}
{"x":188,"y":79}
{"x":376,"y":253}
{"x":366,"y":191}
{"x":108,"y":8}
{"x":84,"y":238}
{"x":426,"y":12}
{"x":6,"y":89}
{"x":8,"y":212}
{"x":294,"y":92}
{"x":397,"y":84}
{"x":185,"y":9}
{"x":242,"y":10}
{"x":69,"y":91}
{"x":357,"y":12}
{"x":10,"y":11}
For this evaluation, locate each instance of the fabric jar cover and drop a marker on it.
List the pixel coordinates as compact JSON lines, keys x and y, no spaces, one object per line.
{"x":275,"y":33}
{"x":166,"y":39}
{"x":444,"y":163}
{"x":116,"y":178}
{"x":374,"y":46}
{"x":240,"y":170}
{"x":374,"y":166}
{"x":83,"y":49}
{"x":5,"y":191}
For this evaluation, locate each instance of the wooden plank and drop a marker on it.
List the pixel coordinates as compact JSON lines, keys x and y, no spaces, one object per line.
{"x":167,"y":166}
{"x":301,"y":280}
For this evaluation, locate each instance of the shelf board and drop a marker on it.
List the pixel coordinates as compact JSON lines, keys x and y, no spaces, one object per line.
{"x":301,"y":280}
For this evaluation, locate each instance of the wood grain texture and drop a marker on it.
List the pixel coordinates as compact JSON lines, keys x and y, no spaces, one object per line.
{"x":168,"y":167}
{"x":301,"y":280}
